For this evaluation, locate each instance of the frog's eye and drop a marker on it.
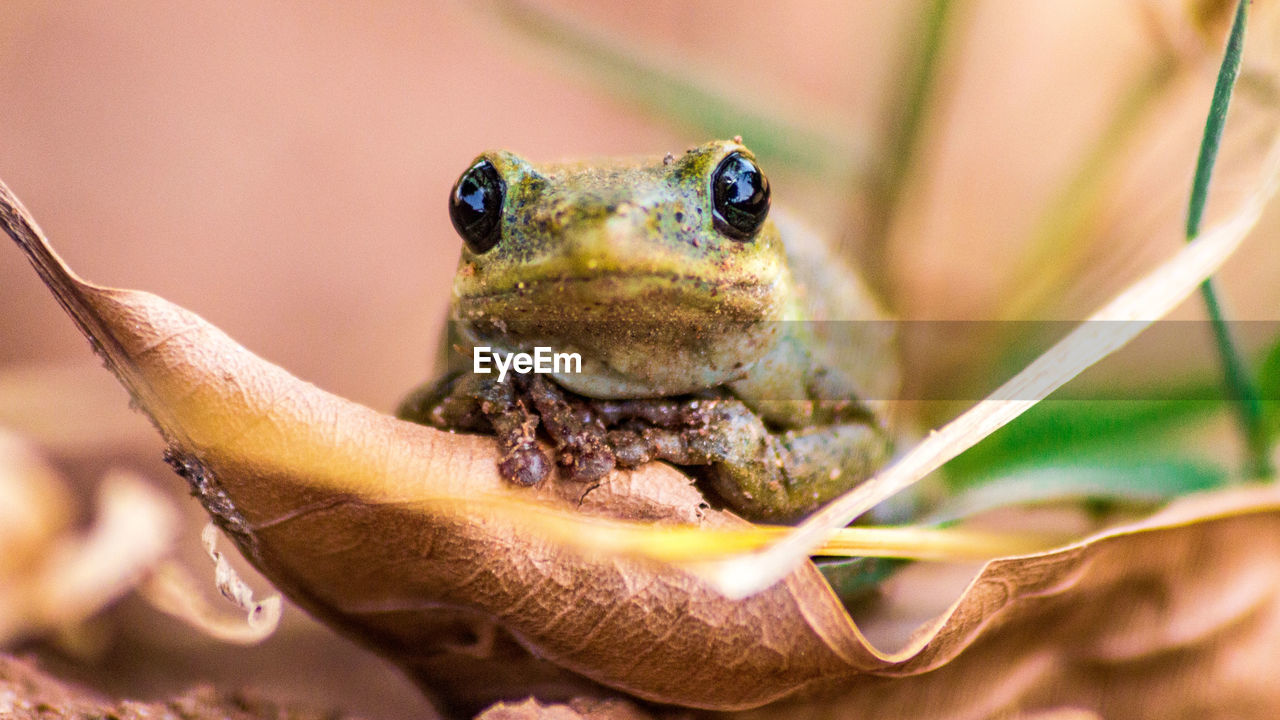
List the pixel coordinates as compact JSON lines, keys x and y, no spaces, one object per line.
{"x":740,"y":197}
{"x":475,"y":206}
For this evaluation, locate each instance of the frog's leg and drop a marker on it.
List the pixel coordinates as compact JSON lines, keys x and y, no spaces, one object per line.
{"x":468,"y":402}
{"x":797,"y":471}
{"x":777,"y":475}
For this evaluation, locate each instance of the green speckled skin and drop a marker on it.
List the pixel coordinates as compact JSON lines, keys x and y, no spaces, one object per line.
{"x":621,"y":262}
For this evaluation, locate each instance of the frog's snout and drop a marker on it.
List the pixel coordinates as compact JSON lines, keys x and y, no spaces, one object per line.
{"x":627,"y":238}
{"x":611,"y":241}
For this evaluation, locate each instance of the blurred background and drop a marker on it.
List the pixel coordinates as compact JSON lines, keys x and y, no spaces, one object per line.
{"x":281,"y":168}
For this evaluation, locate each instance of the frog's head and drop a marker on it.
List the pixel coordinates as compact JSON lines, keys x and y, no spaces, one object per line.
{"x":666,"y":274}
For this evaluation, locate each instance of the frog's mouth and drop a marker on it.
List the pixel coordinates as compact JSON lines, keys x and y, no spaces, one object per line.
{"x":674,"y":300}
{"x":657,"y":334}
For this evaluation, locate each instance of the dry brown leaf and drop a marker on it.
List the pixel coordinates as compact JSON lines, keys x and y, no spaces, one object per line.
{"x":1174,"y":616}
{"x":342,"y":507}
{"x":391,"y":532}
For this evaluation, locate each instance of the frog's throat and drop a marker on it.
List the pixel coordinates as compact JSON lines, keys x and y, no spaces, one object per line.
{"x":613,"y":369}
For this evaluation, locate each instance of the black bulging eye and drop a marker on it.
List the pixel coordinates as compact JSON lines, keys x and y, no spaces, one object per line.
{"x":740,"y":197}
{"x":475,"y":206}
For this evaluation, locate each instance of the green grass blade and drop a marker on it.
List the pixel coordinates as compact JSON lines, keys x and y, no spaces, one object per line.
{"x":1125,"y":482}
{"x":1084,"y":430}
{"x":1240,"y":387}
{"x":1216,"y":122}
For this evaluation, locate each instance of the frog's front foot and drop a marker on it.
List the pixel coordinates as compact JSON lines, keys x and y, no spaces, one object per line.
{"x":522,"y":462}
{"x":579,"y":436}
{"x":762,"y":472}
{"x":469,"y":402}
{"x":513,"y":411}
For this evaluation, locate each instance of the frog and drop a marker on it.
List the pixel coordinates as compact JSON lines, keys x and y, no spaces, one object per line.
{"x":712,"y":331}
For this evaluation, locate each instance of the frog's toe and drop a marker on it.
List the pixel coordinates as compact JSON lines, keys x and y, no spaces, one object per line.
{"x":525,"y":465}
{"x":588,"y":464}
{"x":629,"y":448}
